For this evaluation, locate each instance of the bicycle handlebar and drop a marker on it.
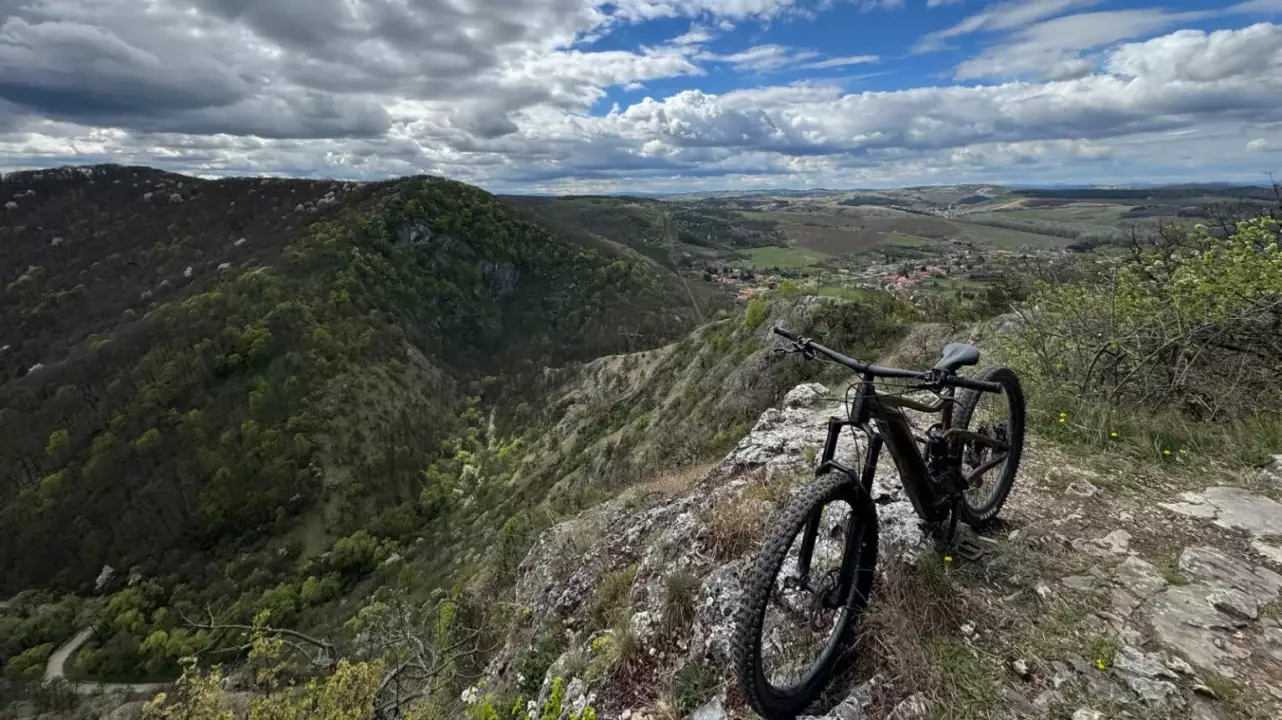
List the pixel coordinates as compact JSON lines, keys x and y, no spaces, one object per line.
{"x":864,"y":368}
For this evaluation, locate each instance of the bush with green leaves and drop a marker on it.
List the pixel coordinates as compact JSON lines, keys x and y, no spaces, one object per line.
{"x":1184,"y":329}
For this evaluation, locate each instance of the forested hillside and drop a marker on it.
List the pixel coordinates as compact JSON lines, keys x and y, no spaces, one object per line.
{"x":187,"y":363}
{"x":674,"y":233}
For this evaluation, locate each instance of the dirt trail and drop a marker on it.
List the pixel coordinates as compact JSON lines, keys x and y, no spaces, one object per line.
{"x":55,"y":670}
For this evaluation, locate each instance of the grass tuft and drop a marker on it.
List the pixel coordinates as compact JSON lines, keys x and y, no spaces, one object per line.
{"x":693,"y":685}
{"x":736,"y":528}
{"x":612,"y":597}
{"x":680,"y":591}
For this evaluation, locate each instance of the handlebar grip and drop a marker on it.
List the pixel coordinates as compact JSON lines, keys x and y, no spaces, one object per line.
{"x":784,"y":333}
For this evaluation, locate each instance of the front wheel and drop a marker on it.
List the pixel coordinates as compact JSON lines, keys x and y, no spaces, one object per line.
{"x":999,"y":419}
{"x":809,"y":587}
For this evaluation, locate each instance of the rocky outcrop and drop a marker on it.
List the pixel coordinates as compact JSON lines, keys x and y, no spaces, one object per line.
{"x":560,"y":576}
{"x":1165,"y":629}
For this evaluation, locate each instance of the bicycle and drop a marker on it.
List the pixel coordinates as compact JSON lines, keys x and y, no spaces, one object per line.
{"x":823,"y":546}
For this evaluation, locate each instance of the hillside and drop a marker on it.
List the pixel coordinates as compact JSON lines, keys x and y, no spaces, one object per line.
{"x":674,"y":233}
{"x":188,"y":362}
{"x":424,"y":452}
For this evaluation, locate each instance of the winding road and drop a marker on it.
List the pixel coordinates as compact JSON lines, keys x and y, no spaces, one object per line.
{"x":55,"y":670}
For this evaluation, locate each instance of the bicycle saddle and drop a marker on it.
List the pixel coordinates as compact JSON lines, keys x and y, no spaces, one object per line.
{"x":957,"y":355}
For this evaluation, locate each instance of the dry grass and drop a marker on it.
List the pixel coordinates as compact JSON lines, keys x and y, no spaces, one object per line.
{"x":777,"y":489}
{"x":736,"y":528}
{"x":910,"y":635}
{"x":675,"y":483}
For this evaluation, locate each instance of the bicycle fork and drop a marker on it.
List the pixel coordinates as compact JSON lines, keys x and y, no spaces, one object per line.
{"x":854,"y":526}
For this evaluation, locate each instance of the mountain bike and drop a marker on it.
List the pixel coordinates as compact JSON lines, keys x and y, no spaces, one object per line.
{"x":814,"y":574}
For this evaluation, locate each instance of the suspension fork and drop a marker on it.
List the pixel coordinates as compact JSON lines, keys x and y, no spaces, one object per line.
{"x":854,"y":527}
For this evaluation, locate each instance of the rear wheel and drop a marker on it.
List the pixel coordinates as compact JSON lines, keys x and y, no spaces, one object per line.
{"x":794,"y":626}
{"x":999,"y":418}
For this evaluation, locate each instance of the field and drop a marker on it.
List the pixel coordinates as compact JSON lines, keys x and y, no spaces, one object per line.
{"x":953,"y":284}
{"x":777,"y":257}
{"x":856,"y":231}
{"x":845,"y":293}
{"x":905,"y":240}
{"x":1009,"y":239}
{"x":831,"y":240}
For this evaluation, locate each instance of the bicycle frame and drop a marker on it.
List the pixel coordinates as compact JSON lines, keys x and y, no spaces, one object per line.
{"x":892,"y":430}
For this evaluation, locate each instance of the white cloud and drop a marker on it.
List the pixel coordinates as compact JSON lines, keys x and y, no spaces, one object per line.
{"x":504,"y":94}
{"x":695,"y":36}
{"x":1001,"y":16}
{"x":870,"y":5}
{"x":1258,"y":145}
{"x":1053,"y":49}
{"x":842,"y":62}
{"x":761,"y":58}
{"x":1193,"y":55}
{"x":1257,"y":7}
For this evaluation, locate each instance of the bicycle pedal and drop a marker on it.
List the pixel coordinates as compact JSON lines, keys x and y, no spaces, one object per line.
{"x":969,"y":550}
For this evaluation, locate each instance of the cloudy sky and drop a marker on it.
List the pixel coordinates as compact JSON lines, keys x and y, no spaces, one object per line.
{"x":650,"y":95}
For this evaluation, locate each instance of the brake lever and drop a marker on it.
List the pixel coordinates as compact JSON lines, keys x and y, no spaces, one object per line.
{"x":795,"y":349}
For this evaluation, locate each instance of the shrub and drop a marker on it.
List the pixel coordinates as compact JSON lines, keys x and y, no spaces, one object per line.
{"x":357,"y":554}
{"x":28,"y":664}
{"x":755,"y":314}
{"x":534,"y":664}
{"x":1181,"y":330}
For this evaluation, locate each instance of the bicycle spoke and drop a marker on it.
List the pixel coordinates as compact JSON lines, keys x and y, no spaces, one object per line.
{"x":983,"y":461}
{"x":803,"y":612}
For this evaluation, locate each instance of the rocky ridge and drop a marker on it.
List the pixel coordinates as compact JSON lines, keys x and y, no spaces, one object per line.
{"x":1081,"y":606}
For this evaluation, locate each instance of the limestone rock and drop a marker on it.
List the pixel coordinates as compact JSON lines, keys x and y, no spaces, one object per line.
{"x":1236,"y":604}
{"x":1213,"y":566}
{"x":1232,"y":508}
{"x":1019,"y":703}
{"x":1139,"y":577}
{"x":1272,"y":473}
{"x":1081,"y":583}
{"x":714,"y":709}
{"x":1047,"y":699}
{"x":1123,"y":602}
{"x":804,"y":396}
{"x":1082,"y":488}
{"x":914,"y":708}
{"x":1184,"y":618}
{"x":1116,"y":542}
{"x":104,"y":577}
{"x":854,"y":707}
{"x":1137,"y":662}
{"x":1272,"y":552}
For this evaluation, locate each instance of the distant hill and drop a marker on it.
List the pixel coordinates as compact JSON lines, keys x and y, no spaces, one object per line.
{"x":662,"y":230}
{"x":187,"y":362}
